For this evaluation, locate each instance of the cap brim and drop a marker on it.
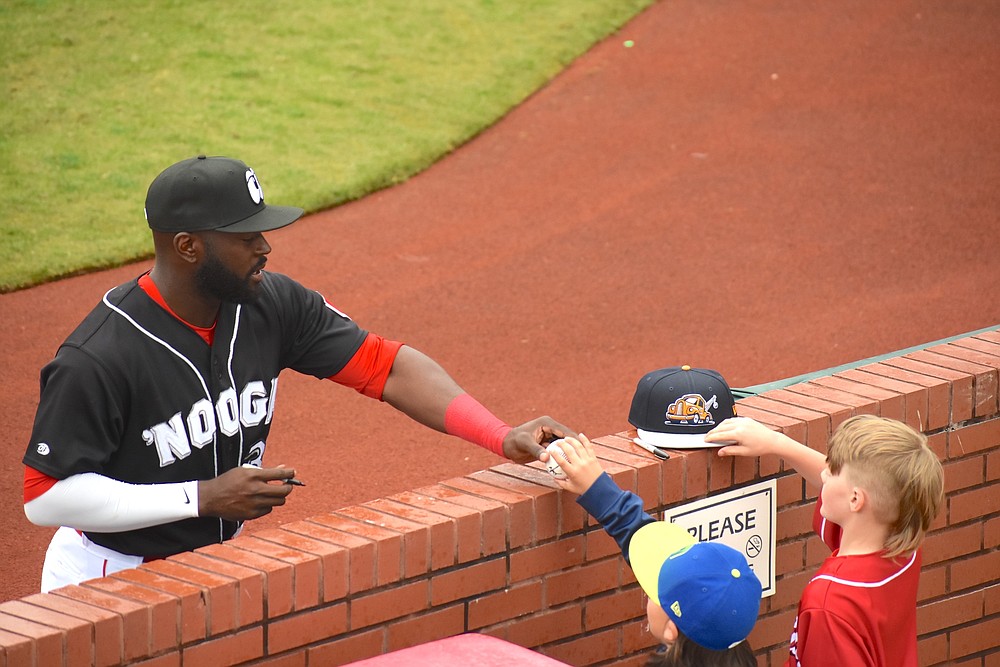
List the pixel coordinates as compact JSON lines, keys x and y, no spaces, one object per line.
{"x":650,"y":546}
{"x":265,"y":220}
{"x":677,"y":440}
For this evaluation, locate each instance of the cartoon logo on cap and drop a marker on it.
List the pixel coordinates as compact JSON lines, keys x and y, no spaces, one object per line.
{"x":256,"y":193}
{"x":691,"y":409}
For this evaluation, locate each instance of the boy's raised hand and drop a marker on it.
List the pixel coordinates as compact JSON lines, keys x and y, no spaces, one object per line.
{"x":578,"y":463}
{"x":742,"y":436}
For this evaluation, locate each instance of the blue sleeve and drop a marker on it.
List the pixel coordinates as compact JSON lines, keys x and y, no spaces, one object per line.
{"x":619,"y":512}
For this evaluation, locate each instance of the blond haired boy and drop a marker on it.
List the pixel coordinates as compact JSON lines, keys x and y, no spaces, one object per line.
{"x":880,"y":488}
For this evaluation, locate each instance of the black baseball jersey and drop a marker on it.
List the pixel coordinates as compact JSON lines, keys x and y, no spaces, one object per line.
{"x":136,"y":395}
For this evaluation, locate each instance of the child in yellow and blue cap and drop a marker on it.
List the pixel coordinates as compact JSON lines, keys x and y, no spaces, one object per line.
{"x":703,"y":596}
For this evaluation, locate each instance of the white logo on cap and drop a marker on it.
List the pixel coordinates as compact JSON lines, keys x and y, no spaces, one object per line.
{"x":256,"y":193}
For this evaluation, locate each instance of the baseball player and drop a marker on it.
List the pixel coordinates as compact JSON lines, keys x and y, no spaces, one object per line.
{"x":153,"y":417}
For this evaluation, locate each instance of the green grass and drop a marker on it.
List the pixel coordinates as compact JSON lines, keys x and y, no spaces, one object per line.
{"x":327,"y":100}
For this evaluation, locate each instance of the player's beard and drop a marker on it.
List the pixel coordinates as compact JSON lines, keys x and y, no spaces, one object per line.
{"x":214,"y":279}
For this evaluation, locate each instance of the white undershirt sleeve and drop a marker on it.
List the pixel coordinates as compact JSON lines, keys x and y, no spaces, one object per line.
{"x":89,"y":501}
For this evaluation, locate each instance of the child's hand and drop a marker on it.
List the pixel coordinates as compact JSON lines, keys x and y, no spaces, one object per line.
{"x":578,"y":463}
{"x":743,"y":436}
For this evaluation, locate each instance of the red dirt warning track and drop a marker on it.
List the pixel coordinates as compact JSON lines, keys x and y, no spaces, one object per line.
{"x":762,"y":188}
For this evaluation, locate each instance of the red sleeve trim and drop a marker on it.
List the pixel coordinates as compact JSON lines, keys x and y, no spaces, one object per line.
{"x":368,"y":369}
{"x":36,"y":483}
{"x":466,"y":418}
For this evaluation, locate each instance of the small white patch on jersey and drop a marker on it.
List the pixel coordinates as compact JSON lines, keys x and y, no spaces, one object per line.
{"x":256,"y":192}
{"x":43,"y":449}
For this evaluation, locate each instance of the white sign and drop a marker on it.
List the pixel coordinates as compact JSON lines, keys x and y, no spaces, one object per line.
{"x":742,"y":519}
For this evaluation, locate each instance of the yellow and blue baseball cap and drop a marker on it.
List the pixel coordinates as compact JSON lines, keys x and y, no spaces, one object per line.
{"x":706,"y":588}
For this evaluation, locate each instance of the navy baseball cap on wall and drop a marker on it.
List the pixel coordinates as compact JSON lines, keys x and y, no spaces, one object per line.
{"x":212,"y":193}
{"x":675,"y":407}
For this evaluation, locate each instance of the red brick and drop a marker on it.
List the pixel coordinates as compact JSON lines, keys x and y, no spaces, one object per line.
{"x":344,"y":650}
{"x":537,"y":486}
{"x":793,"y":522}
{"x":938,"y":412}
{"x":915,"y":405}
{"x":614,"y":608}
{"x":250,"y":598}
{"x":473,"y":579}
{"x":887,"y":403}
{"x":960,"y":383}
{"x":297,"y":630}
{"x":436,"y":624}
{"x":163,"y":609}
{"x":193,"y":624}
{"x":360,"y":573}
{"x":278,"y":575}
{"x":544,"y":626}
{"x":581,"y":582}
{"x":519,"y":522}
{"x":221,"y":592}
{"x":504,"y":605}
{"x":933,"y":582}
{"x":816,"y":424}
{"x":696,"y":470}
{"x":441,"y":529}
{"x":77,"y":634}
{"x":388,"y":546}
{"x":975,"y":571}
{"x":167,"y":660}
{"x":17,"y":649}
{"x":389,"y":604}
{"x":599,"y":545}
{"x":551,"y":557}
{"x":960,"y":359}
{"x":468,"y":523}
{"x":494,"y":515}
{"x":974,"y":438}
{"x":414,"y":538}
{"x":232,"y":649}
{"x":47,"y":642}
{"x":974,"y":638}
{"x":135,"y":617}
{"x":951,"y":543}
{"x":320,"y":566}
{"x":594,"y":647}
{"x":108,"y":626}
{"x":969,"y":505}
{"x":649,"y":471}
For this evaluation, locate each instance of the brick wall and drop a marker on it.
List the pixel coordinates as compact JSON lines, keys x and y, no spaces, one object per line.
{"x":505,"y":552}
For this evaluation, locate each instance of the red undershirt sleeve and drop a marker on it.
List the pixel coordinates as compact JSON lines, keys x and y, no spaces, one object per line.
{"x":36,"y":483}
{"x":368,"y":369}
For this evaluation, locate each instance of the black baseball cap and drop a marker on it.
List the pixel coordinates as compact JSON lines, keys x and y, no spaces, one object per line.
{"x":675,"y":407}
{"x":212,"y":193}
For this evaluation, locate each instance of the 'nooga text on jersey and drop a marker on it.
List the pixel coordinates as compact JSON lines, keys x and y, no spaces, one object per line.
{"x":174,"y":438}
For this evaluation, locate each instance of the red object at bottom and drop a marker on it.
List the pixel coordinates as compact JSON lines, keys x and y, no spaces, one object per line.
{"x":462,"y":651}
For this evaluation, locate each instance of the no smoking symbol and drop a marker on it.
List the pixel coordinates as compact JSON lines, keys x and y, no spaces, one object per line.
{"x":754,"y":546}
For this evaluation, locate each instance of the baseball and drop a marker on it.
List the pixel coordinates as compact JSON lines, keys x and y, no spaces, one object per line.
{"x":552,"y":465}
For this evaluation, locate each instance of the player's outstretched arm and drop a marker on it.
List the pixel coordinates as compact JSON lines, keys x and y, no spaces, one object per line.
{"x":746,"y":437}
{"x":420,"y":388}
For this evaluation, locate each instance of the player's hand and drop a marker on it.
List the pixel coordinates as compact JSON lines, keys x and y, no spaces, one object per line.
{"x":244,"y":493}
{"x":744,"y":437}
{"x":526,"y":443}
{"x":579,"y":464}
